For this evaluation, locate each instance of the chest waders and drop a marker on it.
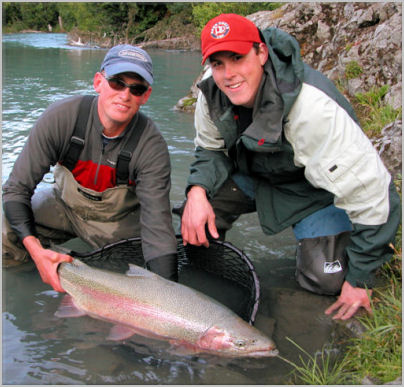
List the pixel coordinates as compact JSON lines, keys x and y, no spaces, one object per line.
{"x":100,"y":217}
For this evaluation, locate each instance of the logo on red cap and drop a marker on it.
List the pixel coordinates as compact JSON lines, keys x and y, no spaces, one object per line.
{"x":219,"y":30}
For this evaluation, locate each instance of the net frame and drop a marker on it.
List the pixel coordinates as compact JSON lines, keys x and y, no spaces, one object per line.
{"x":221,"y":259}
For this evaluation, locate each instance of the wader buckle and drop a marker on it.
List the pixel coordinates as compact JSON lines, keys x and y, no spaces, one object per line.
{"x":77,"y":140}
{"x":125,"y":155}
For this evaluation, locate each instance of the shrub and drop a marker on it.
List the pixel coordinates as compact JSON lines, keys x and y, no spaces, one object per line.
{"x":353,"y":70}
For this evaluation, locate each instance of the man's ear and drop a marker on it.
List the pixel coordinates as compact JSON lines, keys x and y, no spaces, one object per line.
{"x":145,"y":96}
{"x":263,"y":53}
{"x":97,"y":81}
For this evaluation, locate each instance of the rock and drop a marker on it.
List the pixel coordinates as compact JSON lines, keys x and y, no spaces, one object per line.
{"x":394,"y":97}
{"x":355,"y":86}
{"x":398,"y":381}
{"x":389,"y":146}
{"x":323,"y":31}
{"x":367,"y":380}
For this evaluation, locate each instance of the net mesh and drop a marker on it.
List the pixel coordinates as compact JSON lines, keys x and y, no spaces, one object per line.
{"x":221,"y":259}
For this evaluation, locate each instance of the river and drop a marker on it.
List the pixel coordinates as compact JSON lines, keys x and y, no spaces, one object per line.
{"x":37,"y":347}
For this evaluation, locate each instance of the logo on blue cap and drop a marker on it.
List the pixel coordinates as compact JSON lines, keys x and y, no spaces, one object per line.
{"x":133,"y":55}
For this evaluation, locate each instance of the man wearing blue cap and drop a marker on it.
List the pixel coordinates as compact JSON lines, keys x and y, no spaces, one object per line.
{"x":112,"y":174}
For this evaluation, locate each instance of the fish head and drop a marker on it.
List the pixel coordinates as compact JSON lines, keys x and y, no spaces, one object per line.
{"x":241,"y":340}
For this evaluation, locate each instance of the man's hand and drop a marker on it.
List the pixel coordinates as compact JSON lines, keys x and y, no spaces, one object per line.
{"x":349,"y":301}
{"x":46,"y":261}
{"x":197,"y":213}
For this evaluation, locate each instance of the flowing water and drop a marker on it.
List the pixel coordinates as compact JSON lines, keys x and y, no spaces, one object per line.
{"x":39,"y":348}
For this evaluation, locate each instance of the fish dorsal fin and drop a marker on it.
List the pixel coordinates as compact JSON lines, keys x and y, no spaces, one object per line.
{"x":137,"y":271}
{"x":78,"y":263}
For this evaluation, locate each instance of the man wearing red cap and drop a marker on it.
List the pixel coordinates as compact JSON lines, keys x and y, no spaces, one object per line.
{"x":276,"y":137}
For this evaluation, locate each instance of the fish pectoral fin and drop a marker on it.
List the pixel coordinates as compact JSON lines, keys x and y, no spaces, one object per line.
{"x":68,"y":309}
{"x":182,"y":349}
{"x":120,"y":332}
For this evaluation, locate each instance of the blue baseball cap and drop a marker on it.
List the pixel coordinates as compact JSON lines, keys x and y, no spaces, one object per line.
{"x":126,"y":58}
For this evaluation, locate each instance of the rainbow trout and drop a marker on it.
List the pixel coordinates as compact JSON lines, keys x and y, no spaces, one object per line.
{"x":145,"y":303}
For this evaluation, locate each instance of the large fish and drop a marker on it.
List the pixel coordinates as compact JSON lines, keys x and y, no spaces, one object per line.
{"x":145,"y":303}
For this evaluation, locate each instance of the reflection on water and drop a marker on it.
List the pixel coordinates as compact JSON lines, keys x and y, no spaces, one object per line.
{"x":39,"y":348}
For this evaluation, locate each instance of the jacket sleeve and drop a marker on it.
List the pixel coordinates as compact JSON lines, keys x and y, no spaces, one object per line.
{"x":369,"y":247}
{"x":212,"y":166}
{"x":339,"y":158}
{"x":152,"y":166}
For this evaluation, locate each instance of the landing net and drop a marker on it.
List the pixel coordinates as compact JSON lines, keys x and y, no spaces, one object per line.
{"x":221,"y":259}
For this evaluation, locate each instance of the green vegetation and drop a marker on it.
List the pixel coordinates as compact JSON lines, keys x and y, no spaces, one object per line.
{"x":188,"y":102}
{"x":35,"y":16}
{"x":353,"y":70}
{"x":320,"y":369}
{"x":374,"y":114}
{"x":107,"y":19}
{"x":378,"y":352}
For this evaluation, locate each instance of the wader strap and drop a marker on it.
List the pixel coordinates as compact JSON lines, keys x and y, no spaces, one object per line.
{"x":126,"y":153}
{"x":77,"y":140}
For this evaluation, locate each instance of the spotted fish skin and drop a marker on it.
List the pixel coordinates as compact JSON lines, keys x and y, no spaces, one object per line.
{"x":147,"y":304}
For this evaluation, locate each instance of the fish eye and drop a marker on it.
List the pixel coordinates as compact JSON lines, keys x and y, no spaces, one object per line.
{"x":239,"y":343}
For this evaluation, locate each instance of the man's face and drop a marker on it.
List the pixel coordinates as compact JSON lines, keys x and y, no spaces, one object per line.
{"x":117,"y":107}
{"x":239,"y":76}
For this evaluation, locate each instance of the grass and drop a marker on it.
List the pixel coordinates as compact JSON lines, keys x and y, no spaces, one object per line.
{"x":374,"y":114}
{"x":378,"y":353}
{"x":353,"y":70}
{"x":318,"y":369}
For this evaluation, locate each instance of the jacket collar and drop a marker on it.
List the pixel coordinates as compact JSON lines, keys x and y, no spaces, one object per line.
{"x":267,"y":110}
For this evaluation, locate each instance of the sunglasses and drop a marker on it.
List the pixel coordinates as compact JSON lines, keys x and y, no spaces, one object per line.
{"x":118,"y":84}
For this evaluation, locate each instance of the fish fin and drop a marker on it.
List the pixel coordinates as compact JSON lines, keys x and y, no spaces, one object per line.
{"x":120,"y":332}
{"x":68,"y":309}
{"x":137,"y":271}
{"x":182,"y":349}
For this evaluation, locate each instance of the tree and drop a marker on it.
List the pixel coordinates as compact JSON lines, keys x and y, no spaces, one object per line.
{"x":38,"y":16}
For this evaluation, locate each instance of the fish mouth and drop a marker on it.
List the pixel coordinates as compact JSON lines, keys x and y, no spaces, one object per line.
{"x":264,"y":353}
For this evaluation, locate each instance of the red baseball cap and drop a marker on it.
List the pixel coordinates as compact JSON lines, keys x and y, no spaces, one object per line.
{"x":228,"y":32}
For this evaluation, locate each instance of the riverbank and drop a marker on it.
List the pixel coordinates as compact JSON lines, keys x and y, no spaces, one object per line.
{"x":173,"y":32}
